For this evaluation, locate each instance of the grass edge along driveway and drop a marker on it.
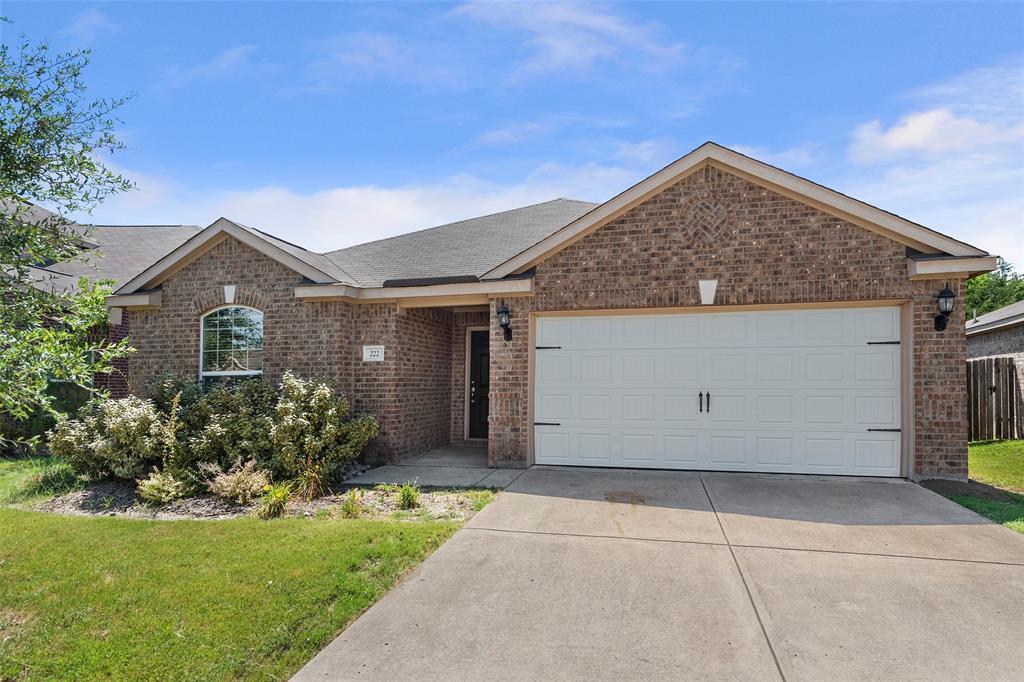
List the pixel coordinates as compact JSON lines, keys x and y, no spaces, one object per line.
{"x":105,"y":598}
{"x":999,"y":464}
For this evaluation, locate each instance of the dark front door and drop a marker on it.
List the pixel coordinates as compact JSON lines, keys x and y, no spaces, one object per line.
{"x":479,"y":382}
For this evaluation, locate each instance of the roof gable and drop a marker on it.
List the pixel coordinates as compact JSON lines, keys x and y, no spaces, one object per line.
{"x":315,"y":267}
{"x":828,"y":200}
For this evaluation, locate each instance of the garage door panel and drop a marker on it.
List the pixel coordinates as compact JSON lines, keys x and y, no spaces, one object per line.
{"x":791,"y":391}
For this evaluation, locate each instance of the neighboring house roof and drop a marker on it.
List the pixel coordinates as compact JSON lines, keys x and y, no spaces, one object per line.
{"x":1007,"y":316}
{"x":467,"y":248}
{"x":122,"y":250}
{"x":509,"y":243}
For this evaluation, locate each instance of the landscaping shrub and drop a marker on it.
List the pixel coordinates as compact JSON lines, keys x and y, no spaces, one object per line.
{"x":275,"y":499}
{"x":243,"y":484}
{"x":312,"y":434}
{"x":162,"y":487}
{"x":116,"y":438}
{"x":409,"y":496}
{"x":228,"y":423}
{"x":302,"y":431}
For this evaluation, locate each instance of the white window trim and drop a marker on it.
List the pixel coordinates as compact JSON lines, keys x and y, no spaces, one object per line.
{"x":202,"y":329}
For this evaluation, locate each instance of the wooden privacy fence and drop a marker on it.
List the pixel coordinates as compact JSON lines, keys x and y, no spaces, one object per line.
{"x":994,"y":399}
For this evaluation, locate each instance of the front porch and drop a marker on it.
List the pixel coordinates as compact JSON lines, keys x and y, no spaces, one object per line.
{"x":451,"y":466}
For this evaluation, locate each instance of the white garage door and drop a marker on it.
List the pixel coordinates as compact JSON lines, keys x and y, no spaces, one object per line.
{"x":799,"y":391}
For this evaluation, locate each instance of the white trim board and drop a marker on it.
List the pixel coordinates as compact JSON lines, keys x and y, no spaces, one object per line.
{"x":709,"y":153}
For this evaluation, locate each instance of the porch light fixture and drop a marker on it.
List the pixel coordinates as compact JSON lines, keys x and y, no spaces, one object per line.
{"x":947,"y":298}
{"x":504,"y":322}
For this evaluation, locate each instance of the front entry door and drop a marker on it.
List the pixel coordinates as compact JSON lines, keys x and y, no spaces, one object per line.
{"x":479,"y":382}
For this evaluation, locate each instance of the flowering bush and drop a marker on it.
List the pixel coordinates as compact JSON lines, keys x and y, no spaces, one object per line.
{"x":301,"y":431}
{"x":115,"y":438}
{"x":162,"y":487}
{"x":231,"y":422}
{"x":243,"y":484}
{"x":312,"y":434}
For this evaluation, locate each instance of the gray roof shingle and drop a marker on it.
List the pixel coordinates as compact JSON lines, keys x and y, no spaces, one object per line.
{"x":123,"y":251}
{"x":464,"y":248}
{"x":1007,"y":315}
{"x":467,"y":248}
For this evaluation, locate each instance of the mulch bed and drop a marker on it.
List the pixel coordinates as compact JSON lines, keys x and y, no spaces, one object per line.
{"x":118,"y":498}
{"x":973,"y":488}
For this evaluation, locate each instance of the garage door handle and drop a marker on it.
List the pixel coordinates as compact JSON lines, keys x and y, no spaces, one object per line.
{"x":709,"y":402}
{"x":546,"y":424}
{"x":700,"y":401}
{"x":888,"y":430}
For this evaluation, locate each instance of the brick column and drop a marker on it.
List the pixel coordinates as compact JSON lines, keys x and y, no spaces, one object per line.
{"x":940,"y":384}
{"x":508,"y":429}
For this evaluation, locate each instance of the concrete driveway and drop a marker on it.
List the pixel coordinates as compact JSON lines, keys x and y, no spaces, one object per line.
{"x":598,"y":574}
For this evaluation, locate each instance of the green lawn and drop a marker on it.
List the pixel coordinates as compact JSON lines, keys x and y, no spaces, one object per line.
{"x":102,"y":598}
{"x":999,"y":464}
{"x":14,"y":473}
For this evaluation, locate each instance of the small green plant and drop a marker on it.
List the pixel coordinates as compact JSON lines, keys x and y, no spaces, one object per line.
{"x":311,"y":482}
{"x":352,"y":504}
{"x":275,"y":499}
{"x":409,"y":496}
{"x":162,"y":487}
{"x":389,"y":488}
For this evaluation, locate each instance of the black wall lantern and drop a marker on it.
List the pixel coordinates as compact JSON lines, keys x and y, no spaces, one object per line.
{"x":504,"y":322}
{"x":947,"y":297}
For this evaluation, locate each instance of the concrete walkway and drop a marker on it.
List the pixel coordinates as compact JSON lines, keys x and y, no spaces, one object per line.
{"x":596,"y":574}
{"x":447,"y":467}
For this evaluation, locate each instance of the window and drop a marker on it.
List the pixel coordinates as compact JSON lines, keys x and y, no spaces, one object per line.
{"x":232,"y":342}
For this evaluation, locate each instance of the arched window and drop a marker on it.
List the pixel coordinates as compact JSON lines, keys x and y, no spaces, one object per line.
{"x":232,"y":342}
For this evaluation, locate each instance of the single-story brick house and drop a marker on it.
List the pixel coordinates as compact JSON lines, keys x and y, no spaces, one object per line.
{"x":722,"y":314}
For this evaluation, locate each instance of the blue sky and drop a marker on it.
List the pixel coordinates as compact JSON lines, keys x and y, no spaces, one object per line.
{"x":332,"y":124}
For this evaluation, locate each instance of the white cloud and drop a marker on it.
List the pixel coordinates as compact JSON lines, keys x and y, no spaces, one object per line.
{"x":87,"y":27}
{"x":231,"y":62}
{"x":955,"y":163}
{"x":577,"y":37}
{"x":788,"y":159}
{"x":932,"y":132}
{"x":342,"y":216}
{"x":367,"y":54}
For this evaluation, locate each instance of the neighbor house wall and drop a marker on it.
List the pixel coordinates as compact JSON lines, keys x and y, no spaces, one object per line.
{"x":764,"y":249}
{"x":1005,"y":341}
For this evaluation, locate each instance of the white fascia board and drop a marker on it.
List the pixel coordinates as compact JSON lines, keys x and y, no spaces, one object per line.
{"x":206,"y":239}
{"x":936,"y":268}
{"x":149,"y":299}
{"x":846,"y":207}
{"x":485,"y":290}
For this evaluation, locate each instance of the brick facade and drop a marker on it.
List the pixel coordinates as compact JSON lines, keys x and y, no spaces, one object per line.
{"x":410,"y":392}
{"x":763,"y":248}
